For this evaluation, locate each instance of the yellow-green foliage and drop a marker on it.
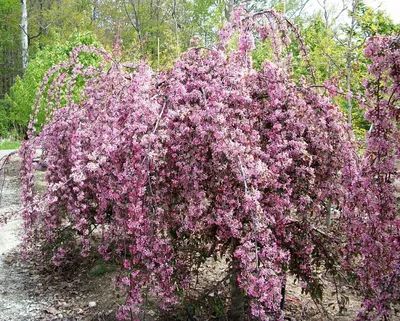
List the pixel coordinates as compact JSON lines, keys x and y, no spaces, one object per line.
{"x":16,"y":107}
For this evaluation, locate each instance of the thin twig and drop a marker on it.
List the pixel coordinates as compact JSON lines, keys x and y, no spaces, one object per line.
{"x":253,"y":216}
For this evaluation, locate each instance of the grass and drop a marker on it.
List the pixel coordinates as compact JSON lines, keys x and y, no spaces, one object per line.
{"x":9,"y":144}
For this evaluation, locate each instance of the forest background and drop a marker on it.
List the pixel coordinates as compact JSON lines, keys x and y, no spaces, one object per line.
{"x":158,"y":31}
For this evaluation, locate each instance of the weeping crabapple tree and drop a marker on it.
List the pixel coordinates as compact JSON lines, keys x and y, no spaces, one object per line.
{"x":214,"y":159}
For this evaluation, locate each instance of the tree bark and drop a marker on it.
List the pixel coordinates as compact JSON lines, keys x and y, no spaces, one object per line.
{"x":349,"y":60}
{"x":329,"y":213}
{"x":228,"y":9}
{"x":24,"y":35}
{"x":237,"y":296}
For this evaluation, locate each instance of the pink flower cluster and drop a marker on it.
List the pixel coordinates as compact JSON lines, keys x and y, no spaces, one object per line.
{"x":372,"y":225}
{"x":216,"y":159}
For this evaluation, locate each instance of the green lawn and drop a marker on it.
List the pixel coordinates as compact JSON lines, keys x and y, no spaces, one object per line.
{"x":9,"y":144}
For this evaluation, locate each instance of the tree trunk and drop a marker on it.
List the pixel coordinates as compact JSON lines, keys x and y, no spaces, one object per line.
{"x":228,"y":9}
{"x":349,"y":60}
{"x":348,"y":75}
{"x":237,"y":296}
{"x":95,"y":13}
{"x":24,"y":35}
{"x":329,"y":213}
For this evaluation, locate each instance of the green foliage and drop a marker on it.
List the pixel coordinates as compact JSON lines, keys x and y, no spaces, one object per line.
{"x":262,"y":52}
{"x":159,"y":31}
{"x":17,"y":106}
{"x":10,"y":41}
{"x":369,"y":23}
{"x":51,"y":21}
{"x":5,"y":124}
{"x":326,"y":56}
{"x":373,"y":22}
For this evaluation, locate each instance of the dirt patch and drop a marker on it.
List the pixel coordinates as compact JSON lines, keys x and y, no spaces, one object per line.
{"x":31,"y":291}
{"x":299,"y":306}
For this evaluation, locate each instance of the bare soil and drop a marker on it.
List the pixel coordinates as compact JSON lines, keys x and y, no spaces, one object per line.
{"x":31,"y":291}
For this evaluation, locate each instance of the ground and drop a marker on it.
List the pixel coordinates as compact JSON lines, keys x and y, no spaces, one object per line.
{"x":31,"y":291}
{"x":84,"y":290}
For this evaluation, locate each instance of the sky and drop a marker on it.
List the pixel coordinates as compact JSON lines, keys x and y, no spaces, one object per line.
{"x":391,"y":7}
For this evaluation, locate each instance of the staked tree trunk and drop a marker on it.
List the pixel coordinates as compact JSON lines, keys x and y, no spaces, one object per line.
{"x":24,"y":35}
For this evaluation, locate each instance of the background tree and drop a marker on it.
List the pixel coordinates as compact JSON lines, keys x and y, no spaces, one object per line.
{"x":10,"y":55}
{"x":24,"y":35}
{"x":10,"y":44}
{"x":22,"y":95}
{"x":336,"y":37}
